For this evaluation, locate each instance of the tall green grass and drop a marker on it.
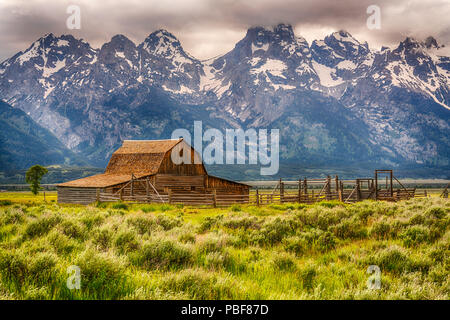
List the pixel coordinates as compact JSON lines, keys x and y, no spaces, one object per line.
{"x":281,"y":251}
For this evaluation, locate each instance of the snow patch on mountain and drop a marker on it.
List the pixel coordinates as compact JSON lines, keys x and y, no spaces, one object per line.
{"x":346,"y":64}
{"x":48,"y":71}
{"x":326,"y":75}
{"x":257,"y":47}
{"x":272,"y":66}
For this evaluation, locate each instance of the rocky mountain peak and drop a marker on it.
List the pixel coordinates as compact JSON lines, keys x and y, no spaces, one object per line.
{"x":431,"y":43}
{"x":163,"y":43}
{"x":119,"y":46}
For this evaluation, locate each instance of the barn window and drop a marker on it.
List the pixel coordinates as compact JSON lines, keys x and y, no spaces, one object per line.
{"x":192,"y":188}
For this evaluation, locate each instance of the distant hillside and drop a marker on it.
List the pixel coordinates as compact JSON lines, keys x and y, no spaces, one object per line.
{"x":24,"y":143}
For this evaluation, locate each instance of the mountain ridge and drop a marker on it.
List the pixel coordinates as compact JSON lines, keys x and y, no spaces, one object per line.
{"x":391,"y":104}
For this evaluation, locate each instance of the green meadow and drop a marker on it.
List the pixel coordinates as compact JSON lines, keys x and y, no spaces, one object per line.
{"x":281,"y":251}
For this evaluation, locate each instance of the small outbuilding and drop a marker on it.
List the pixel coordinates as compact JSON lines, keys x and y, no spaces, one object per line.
{"x":143,"y":169}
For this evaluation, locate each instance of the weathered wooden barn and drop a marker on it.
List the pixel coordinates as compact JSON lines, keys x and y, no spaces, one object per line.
{"x":144,"y":170}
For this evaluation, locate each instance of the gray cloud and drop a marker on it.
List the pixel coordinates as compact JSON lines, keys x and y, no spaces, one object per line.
{"x":211,"y":27}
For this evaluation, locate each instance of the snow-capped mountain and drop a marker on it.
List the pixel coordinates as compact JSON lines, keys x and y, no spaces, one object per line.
{"x":334,"y":99}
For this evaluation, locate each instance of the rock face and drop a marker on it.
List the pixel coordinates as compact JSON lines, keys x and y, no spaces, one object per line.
{"x":333,"y":100}
{"x":24,"y":143}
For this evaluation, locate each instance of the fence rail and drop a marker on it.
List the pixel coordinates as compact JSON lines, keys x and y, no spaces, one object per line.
{"x":254,"y":198}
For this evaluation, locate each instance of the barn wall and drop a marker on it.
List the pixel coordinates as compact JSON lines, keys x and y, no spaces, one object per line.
{"x":180,"y":183}
{"x":76,"y":195}
{"x":223,"y":186}
{"x":168,"y":167}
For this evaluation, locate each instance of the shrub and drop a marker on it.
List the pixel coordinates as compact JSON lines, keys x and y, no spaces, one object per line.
{"x":393,"y":259}
{"x":326,"y":241}
{"x":126,"y":241}
{"x":283,"y":261}
{"x":91,"y":220}
{"x":417,"y":219}
{"x":37,"y":293}
{"x":199,"y":284}
{"x":319,"y":240}
{"x":330,"y":204}
{"x":308,"y":275}
{"x":149,"y":208}
{"x":165,"y":207}
{"x":102,"y":275}
{"x":142,"y":224}
{"x":120,"y":205}
{"x":217,"y":260}
{"x":161,"y":253}
{"x":274,"y":231}
{"x":42,"y":267}
{"x":60,"y":242}
{"x":213,"y":242}
{"x":236,"y":208}
{"x":168,"y":222}
{"x":101,"y":205}
{"x":349,"y":229}
{"x":435,"y":212}
{"x":209,"y":222}
{"x":380,"y":230}
{"x":102,"y":238}
{"x":439,"y":253}
{"x":12,"y":216}
{"x":295,"y":244}
{"x":282,"y":207}
{"x":186,"y":237}
{"x":72,"y":229}
{"x":415,"y":235}
{"x":13,"y":266}
{"x":242,"y":222}
{"x":4,"y":203}
{"x":41,"y":226}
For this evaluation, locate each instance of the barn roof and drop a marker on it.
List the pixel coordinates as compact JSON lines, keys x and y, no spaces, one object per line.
{"x":138,"y":157}
{"x":98,"y":181}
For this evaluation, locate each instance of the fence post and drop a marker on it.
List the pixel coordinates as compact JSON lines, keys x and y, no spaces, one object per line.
{"x":328,"y":188}
{"x":121,"y":194}
{"x":214,"y":198}
{"x":44,"y":196}
{"x":281,"y":191}
{"x":97,"y":195}
{"x":169,"y":193}
{"x":358,"y":194}
{"x":299,"y":190}
{"x":132,"y":185}
{"x":257,"y":197}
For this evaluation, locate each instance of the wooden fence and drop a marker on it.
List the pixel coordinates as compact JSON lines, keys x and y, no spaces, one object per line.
{"x":302,"y":191}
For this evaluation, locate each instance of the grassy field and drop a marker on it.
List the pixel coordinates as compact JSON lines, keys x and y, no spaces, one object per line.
{"x":289,"y":251}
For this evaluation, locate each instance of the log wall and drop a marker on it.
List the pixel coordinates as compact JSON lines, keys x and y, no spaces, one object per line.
{"x":77,"y":195}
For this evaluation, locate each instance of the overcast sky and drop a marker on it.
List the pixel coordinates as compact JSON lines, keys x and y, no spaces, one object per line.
{"x":207,"y":28}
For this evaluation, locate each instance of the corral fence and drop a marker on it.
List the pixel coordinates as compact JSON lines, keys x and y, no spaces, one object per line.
{"x":302,"y":191}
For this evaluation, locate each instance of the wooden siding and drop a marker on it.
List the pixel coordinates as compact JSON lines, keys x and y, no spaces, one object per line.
{"x":223,"y":186}
{"x":168,"y":167}
{"x":77,"y":195}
